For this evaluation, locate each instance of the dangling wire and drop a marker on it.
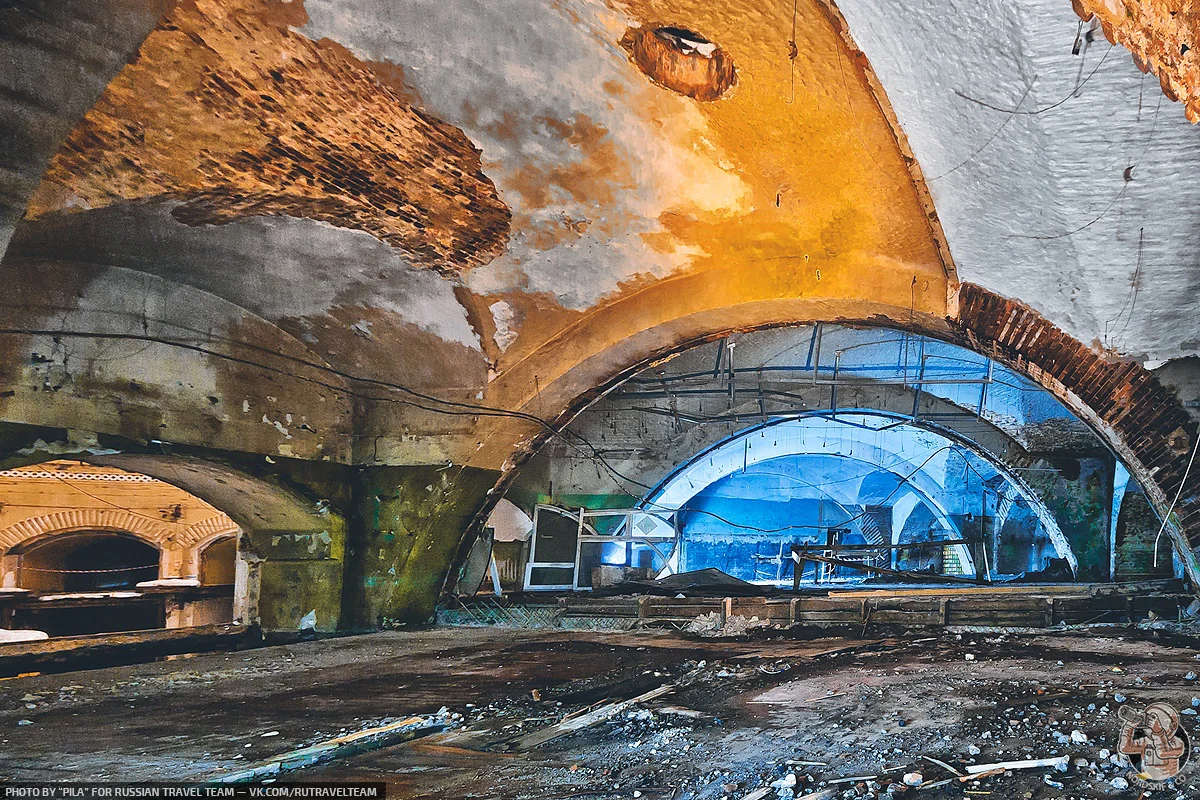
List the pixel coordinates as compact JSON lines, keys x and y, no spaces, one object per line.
{"x":793,"y":53}
{"x":1183,"y":482}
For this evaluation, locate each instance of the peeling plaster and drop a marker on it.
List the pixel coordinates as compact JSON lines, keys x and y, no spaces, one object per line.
{"x":584,"y":150}
{"x":286,"y":127}
{"x":505,"y":318}
{"x":275,"y":267}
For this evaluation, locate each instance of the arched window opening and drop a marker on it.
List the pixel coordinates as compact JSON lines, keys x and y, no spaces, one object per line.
{"x":858,"y":455}
{"x":855,"y":488}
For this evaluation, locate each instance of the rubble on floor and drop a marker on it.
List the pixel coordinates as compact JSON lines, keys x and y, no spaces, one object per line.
{"x":715,"y":624}
{"x":643,"y":715}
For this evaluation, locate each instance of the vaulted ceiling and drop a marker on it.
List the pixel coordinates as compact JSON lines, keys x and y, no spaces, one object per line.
{"x":310,"y":227}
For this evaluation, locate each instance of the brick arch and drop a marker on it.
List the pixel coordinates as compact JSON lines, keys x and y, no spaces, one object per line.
{"x":1138,"y":417}
{"x":1142,"y":420}
{"x":86,"y":519}
{"x":206,"y":531}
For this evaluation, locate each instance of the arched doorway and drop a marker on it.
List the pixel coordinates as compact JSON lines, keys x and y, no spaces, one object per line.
{"x":90,"y":549}
{"x":87,"y":561}
{"x":218,"y":565}
{"x":87,"y":582}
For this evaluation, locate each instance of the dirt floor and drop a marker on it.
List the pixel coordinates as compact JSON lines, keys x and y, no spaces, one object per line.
{"x":743,"y":715}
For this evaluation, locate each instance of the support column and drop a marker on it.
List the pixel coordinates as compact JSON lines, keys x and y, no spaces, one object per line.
{"x":406,"y":528}
{"x":290,"y":567}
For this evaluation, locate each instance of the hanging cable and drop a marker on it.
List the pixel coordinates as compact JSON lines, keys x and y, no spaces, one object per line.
{"x":1178,"y":494}
{"x":423,"y":401}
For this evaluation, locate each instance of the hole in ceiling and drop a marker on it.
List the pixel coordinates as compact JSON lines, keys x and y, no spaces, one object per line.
{"x":687,"y":41}
{"x":681,"y":60}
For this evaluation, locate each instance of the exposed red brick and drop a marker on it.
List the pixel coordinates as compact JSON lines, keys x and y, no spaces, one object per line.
{"x":1130,"y":401}
{"x":287,"y":127}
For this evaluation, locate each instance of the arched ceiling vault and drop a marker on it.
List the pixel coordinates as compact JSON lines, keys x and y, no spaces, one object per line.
{"x":1062,"y":175}
{"x":464,"y":198}
{"x":512,"y":204}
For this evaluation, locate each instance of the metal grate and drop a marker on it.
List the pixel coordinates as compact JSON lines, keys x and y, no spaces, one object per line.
{"x":488,"y":612}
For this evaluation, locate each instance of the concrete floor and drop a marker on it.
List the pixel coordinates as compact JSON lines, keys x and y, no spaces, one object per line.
{"x":863,"y":707}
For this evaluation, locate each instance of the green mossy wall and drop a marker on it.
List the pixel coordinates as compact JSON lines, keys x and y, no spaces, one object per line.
{"x":406,"y":527}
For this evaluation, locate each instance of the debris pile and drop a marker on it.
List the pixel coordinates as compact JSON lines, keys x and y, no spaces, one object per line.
{"x":716,"y":625}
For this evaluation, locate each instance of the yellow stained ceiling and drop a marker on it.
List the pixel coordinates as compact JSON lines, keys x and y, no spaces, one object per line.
{"x":789,"y":198}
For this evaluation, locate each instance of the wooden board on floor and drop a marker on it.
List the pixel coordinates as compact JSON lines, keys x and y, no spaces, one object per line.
{"x":1084,"y":589}
{"x":111,"y":649}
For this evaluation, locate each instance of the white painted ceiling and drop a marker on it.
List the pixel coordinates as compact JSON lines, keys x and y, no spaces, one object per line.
{"x":1036,"y":205}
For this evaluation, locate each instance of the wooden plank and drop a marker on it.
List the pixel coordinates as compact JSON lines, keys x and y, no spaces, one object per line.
{"x":827,"y":604}
{"x":112,"y":649}
{"x":815,"y":617}
{"x":601,"y":610}
{"x":1002,"y":603}
{"x":691,"y":610}
{"x":763,"y":609}
{"x":906,"y":603}
{"x":597,"y":715}
{"x":982,"y":589}
{"x":914,"y":618}
{"x":999,"y":620}
{"x":339,"y":747}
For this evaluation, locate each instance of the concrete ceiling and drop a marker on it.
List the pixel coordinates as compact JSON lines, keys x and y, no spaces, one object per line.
{"x":471,"y":199}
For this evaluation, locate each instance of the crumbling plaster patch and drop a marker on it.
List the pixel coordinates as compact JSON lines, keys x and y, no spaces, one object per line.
{"x":506,"y":320}
{"x":586,"y":152}
{"x":681,"y":60}
{"x":287,"y":127}
{"x":1036,"y":205}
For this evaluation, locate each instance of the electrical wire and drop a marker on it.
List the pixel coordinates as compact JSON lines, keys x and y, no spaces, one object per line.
{"x":89,"y":571}
{"x":1178,"y":494}
{"x":423,"y":401}
{"x":1073,"y":93}
{"x":989,"y":140}
{"x":115,"y":505}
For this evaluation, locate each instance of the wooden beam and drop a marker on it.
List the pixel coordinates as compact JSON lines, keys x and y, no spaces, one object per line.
{"x":111,"y":649}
